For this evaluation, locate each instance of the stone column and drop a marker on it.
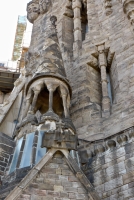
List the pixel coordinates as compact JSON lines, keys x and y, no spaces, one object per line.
{"x":36,"y":91}
{"x":50,"y":99}
{"x":64,"y":99}
{"x":1,"y":97}
{"x":51,"y":88}
{"x":105,"y":96}
{"x":76,"y":5}
{"x":128,"y":6}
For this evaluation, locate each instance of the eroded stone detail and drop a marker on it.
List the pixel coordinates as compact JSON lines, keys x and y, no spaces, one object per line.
{"x":68,"y":9}
{"x":44,"y":5}
{"x":128,"y":6}
{"x":108,"y":6}
{"x":32,"y":10}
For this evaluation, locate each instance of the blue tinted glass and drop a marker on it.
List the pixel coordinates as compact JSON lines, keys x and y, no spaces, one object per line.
{"x":75,"y":156}
{"x":27,"y":153}
{"x":109,"y":88}
{"x":40,"y":151}
{"x":16,"y":155}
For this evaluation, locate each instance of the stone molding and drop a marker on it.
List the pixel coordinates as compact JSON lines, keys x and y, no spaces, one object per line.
{"x":99,"y":147}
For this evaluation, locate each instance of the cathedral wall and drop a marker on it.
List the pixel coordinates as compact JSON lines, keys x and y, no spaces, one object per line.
{"x":119,"y":31}
{"x":116,"y":33}
{"x":6,"y":149}
{"x":55,"y":181}
{"x":109,"y":165}
{"x":86,"y":100}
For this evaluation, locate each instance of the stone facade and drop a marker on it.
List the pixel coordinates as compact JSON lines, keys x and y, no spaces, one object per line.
{"x":109,"y":165}
{"x":75,"y":94}
{"x":55,"y":181}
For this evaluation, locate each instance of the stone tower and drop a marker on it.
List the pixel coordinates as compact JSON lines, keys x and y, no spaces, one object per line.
{"x":67,"y":128}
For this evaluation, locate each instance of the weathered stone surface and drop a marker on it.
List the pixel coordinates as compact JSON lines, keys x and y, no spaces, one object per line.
{"x":45,"y":184}
{"x":91,"y":34}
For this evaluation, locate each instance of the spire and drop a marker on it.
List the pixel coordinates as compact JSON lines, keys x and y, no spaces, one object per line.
{"x":52,"y":63}
{"x":49,"y":93}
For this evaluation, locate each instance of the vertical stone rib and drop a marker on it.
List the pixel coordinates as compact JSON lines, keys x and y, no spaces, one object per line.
{"x":105,"y":96}
{"x":34,"y":148}
{"x":77,"y":25}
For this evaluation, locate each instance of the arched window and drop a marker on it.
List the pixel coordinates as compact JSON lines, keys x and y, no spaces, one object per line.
{"x":84,"y":21}
{"x":40,"y":152}
{"x":109,"y":87}
{"x":15,"y":156}
{"x":26,"y":157}
{"x":27,"y":151}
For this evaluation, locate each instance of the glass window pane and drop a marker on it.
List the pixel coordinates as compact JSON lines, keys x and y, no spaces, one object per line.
{"x":16,"y":155}
{"x":109,"y":88}
{"x":40,"y":151}
{"x":27,"y":153}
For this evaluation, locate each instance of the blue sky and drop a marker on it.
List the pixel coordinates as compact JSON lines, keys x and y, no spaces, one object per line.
{"x":8,"y":19}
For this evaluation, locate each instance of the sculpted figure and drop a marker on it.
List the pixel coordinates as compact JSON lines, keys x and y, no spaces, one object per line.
{"x":32,"y":11}
{"x":44,"y":5}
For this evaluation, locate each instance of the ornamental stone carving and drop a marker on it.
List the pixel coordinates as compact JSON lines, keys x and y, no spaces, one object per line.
{"x":32,"y":10}
{"x":68,"y":9}
{"x":44,"y":6}
{"x":101,"y":147}
{"x":108,"y":6}
{"x":36,"y":7}
{"x":128,"y":6}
